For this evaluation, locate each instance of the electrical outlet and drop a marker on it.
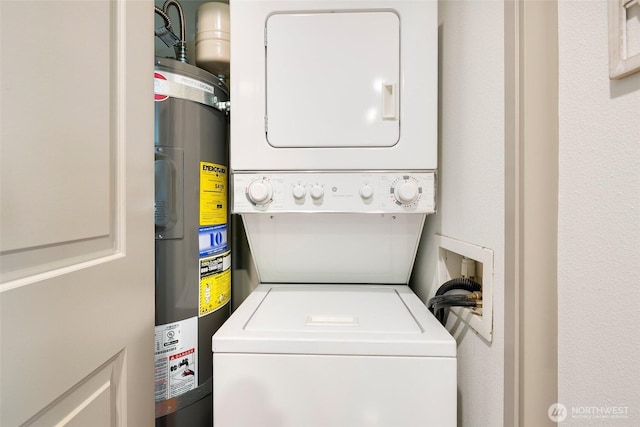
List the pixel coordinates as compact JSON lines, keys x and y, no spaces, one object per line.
{"x":451,"y":252}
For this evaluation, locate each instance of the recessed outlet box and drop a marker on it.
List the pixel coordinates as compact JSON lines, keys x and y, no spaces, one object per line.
{"x":450,"y":255}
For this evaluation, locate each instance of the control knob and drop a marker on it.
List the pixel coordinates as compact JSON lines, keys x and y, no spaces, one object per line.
{"x":299,"y":192}
{"x":366,"y":192}
{"x":407,"y":192}
{"x":259,"y":192}
{"x":317,"y":192}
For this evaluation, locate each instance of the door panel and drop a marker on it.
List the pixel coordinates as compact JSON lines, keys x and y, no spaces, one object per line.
{"x":76,"y":254}
{"x":333,"y":79}
{"x":60,"y":134}
{"x":93,"y":402}
{"x":70,"y":122}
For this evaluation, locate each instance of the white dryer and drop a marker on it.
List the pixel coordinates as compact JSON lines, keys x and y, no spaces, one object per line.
{"x":333,"y":161}
{"x":334,"y":85}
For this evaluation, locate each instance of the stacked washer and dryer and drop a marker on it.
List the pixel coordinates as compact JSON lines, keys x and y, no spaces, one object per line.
{"x":333,"y":161}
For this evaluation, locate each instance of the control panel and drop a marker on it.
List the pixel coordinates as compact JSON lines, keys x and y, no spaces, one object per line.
{"x":357,"y":192}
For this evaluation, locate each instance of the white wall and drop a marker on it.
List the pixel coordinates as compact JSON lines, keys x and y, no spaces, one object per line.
{"x":598,"y":224}
{"x":471,"y":186}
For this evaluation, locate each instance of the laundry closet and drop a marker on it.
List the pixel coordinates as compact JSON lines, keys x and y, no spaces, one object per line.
{"x":332,"y":171}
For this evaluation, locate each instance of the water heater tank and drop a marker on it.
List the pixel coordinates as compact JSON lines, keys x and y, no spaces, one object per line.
{"x":193,"y":274}
{"x":213,"y":49}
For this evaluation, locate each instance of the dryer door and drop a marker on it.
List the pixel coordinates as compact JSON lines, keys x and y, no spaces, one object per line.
{"x":332,"y":79}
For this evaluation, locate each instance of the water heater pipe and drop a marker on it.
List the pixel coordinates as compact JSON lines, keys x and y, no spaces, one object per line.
{"x":179,"y":44}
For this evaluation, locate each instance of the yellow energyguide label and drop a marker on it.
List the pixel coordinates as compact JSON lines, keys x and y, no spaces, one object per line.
{"x":215,"y":283}
{"x":213,"y":194}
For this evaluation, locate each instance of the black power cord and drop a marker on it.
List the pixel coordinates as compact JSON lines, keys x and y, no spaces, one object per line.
{"x":439,"y":304}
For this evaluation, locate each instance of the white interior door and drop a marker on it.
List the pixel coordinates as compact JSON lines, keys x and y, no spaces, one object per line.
{"x":76,"y":231}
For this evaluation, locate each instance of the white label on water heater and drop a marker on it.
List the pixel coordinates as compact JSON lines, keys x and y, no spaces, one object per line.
{"x":176,"y":356}
{"x":177,"y":78}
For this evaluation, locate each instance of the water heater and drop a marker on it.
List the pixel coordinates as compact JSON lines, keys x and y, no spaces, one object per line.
{"x":193,"y":275}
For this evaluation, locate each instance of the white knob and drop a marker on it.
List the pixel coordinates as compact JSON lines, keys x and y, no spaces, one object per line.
{"x":259,"y":191}
{"x":407,"y":192}
{"x":317,"y":192}
{"x":366,"y":192}
{"x":299,"y":192}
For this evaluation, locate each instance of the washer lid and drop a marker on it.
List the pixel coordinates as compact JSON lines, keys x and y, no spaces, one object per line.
{"x":375,"y":320}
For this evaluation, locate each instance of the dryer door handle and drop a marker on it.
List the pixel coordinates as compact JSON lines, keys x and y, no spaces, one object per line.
{"x":389,"y":101}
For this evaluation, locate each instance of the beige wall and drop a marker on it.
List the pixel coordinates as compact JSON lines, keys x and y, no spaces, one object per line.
{"x":498,"y":189}
{"x":598,"y":225}
{"x":471,"y":186}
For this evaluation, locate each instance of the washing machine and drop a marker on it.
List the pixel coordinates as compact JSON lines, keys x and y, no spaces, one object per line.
{"x":334,"y":355}
{"x":334,"y":171}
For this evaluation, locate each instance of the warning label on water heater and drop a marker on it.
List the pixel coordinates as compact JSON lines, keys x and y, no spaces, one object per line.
{"x":176,"y":356}
{"x":213,"y":194}
{"x":215,"y":283}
